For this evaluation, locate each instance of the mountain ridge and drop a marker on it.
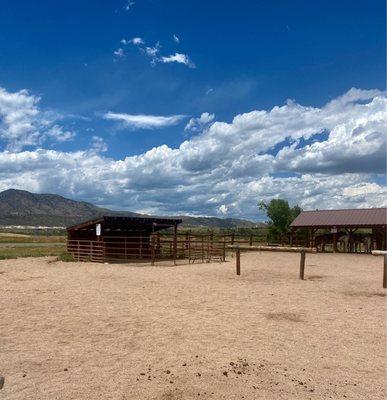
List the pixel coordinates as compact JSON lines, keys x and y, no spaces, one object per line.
{"x":20,"y":207}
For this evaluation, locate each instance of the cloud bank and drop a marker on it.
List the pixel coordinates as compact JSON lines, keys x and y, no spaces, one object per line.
{"x":328,"y":157}
{"x":23,"y":124}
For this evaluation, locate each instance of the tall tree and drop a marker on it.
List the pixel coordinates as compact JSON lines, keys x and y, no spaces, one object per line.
{"x":280,"y":216}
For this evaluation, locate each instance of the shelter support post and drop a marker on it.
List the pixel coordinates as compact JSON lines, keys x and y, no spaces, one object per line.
{"x":335,"y":241}
{"x":291,"y":236}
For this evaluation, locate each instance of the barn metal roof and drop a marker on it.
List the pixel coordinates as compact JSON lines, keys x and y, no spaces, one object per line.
{"x":124,"y":222}
{"x":366,"y":217}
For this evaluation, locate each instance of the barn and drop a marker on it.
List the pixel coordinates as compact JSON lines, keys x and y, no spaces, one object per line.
{"x":119,"y":238}
{"x":349,"y":230}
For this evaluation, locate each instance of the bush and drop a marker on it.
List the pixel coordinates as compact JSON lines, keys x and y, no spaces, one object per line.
{"x":65,"y":257}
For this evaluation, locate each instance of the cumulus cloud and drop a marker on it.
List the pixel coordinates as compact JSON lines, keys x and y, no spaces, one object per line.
{"x":198,"y":124}
{"x":128,"y":5}
{"x":177,"y":58}
{"x":136,"y":41}
{"x":153,"y":52}
{"x":98,"y":144}
{"x":140,"y":121}
{"x":23,"y":123}
{"x":222,"y":209}
{"x":119,"y":53}
{"x":229,"y":167}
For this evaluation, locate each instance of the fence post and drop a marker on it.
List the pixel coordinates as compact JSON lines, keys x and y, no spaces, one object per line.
{"x":174,"y":244}
{"x":202,"y":249}
{"x":302,"y":264}
{"x":153,"y":250}
{"x":224,"y":248}
{"x":385,"y":272}
{"x":140,"y":250}
{"x":189,"y":249}
{"x":251,"y":240}
{"x":238,"y":261}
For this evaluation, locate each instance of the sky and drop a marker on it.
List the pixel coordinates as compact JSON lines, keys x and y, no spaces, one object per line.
{"x":195,"y":107}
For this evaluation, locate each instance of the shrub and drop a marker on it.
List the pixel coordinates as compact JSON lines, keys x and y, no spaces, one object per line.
{"x":65,"y":257}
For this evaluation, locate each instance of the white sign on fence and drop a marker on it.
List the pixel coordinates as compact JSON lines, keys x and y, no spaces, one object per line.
{"x":334,"y":230}
{"x":98,"y":229}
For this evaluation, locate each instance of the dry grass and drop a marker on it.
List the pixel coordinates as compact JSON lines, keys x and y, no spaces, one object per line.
{"x":22,"y":238}
{"x":96,"y":331}
{"x":35,"y":251}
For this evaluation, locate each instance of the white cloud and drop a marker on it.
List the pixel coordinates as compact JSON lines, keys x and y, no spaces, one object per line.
{"x":229,"y":166}
{"x":128,"y":5}
{"x":198,"y":124}
{"x":153,"y":52}
{"x":23,"y":123}
{"x":98,"y":144}
{"x":136,"y":41}
{"x":176,"y":39}
{"x":140,"y":121}
{"x":119,"y":52}
{"x":223,"y":209}
{"x":177,"y":58}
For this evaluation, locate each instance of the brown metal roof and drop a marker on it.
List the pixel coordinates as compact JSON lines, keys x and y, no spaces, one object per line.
{"x":346,"y":218}
{"x":125,"y":222}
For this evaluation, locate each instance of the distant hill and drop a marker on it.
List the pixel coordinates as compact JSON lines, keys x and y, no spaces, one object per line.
{"x":19,"y":207}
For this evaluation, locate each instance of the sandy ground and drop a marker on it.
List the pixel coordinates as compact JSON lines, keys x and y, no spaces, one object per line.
{"x":95,"y":331}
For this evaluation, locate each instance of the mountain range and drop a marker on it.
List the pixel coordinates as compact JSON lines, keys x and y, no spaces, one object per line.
{"x":19,"y":207}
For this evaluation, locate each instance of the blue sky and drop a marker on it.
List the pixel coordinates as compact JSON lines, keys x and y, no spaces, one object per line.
{"x":126,"y":85}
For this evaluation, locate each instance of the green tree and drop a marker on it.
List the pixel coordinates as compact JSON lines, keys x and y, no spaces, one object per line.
{"x":280,"y":216}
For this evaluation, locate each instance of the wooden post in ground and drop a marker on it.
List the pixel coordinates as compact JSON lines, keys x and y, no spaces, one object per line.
{"x":251,"y":240}
{"x":224,"y":248}
{"x":202,"y":249}
{"x":153,"y":250}
{"x":384,"y":254}
{"x":140,"y":244}
{"x":174,"y":244}
{"x":302,"y":264}
{"x":238,"y":261}
{"x":189,"y":249}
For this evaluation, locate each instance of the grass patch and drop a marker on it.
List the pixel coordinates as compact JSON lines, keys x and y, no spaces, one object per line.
{"x":65,"y":257}
{"x":37,"y":251}
{"x":19,"y":238}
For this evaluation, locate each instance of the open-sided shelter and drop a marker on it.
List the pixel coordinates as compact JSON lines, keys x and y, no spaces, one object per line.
{"x":350,"y":225}
{"x":116,"y":238}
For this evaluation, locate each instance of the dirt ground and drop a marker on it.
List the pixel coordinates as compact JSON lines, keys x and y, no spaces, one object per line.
{"x":96,"y":331}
